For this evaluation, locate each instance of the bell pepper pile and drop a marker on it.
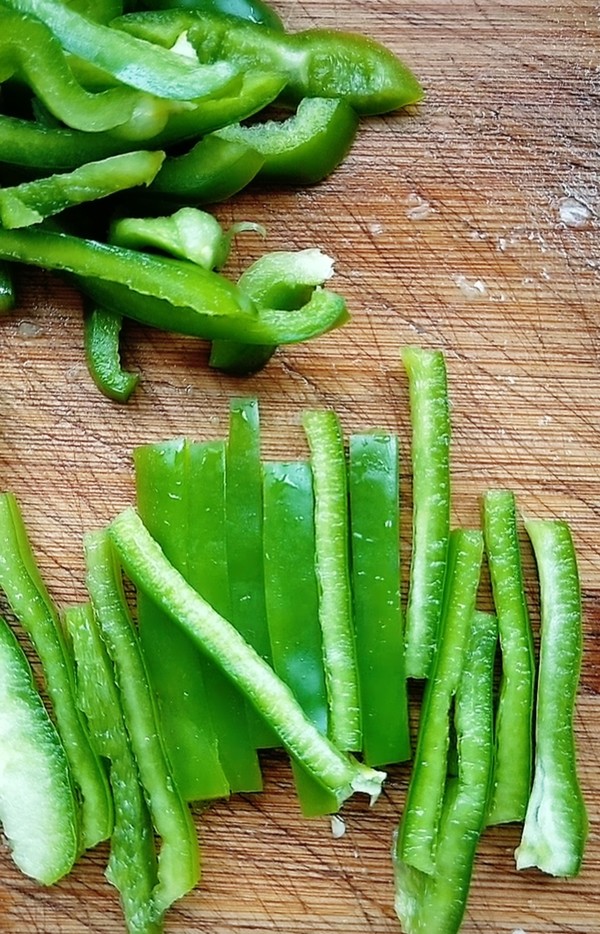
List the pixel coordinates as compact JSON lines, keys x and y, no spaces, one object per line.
{"x":139,"y":108}
{"x":268,"y":613}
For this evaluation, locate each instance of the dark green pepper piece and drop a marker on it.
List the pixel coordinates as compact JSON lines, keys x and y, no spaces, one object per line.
{"x":252,"y":11}
{"x":101,"y":332}
{"x":7,"y":289}
{"x":213,"y":170}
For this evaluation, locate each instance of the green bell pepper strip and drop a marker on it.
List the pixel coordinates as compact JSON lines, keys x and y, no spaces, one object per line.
{"x":556,"y":824}
{"x":284,"y":280}
{"x":374,"y":487}
{"x":32,"y":145}
{"x":101,"y":333}
{"x":28,"y":48}
{"x":206,"y":296}
{"x":31,"y":603}
{"x":101,"y":11}
{"x":316,"y":63}
{"x":175,"y":666}
{"x":420,"y":820}
{"x":328,"y":460}
{"x":430,"y":447}
{"x":37,"y":806}
{"x":292,"y":600}
{"x":213,"y":170}
{"x":31,"y":202}
{"x":136,"y":63}
{"x":244,"y":539}
{"x":304,"y":148}
{"x":435,"y":904}
{"x":325,"y":310}
{"x":132,"y":862}
{"x":208,"y":574}
{"x":8,"y":298}
{"x":253,"y":11}
{"x":513,"y":756}
{"x":149,"y":570}
{"x":178,"y":856}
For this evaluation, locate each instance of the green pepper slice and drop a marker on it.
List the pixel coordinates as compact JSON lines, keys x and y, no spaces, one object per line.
{"x":253,"y":11}
{"x":101,"y":333}
{"x":213,"y":170}
{"x":8,"y":297}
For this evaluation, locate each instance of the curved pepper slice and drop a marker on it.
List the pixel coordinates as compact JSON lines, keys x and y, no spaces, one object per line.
{"x":37,"y":805}
{"x":316,"y":63}
{"x":134,"y":62}
{"x":252,"y":11}
{"x":304,"y":148}
{"x":101,"y":332}
{"x":213,"y":170}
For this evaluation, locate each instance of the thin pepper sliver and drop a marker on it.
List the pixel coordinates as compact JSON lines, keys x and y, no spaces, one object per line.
{"x":556,"y":823}
{"x":148,"y":568}
{"x":514,"y":741}
{"x":31,"y":603}
{"x":132,"y":862}
{"x":374,"y":486}
{"x":101,"y":339}
{"x":178,"y":857}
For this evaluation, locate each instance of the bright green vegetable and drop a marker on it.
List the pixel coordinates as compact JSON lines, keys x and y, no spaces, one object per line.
{"x":213,"y":170}
{"x":32,"y":605}
{"x":375,"y":561}
{"x":419,"y":828}
{"x":31,"y":202}
{"x":178,"y":857}
{"x":330,"y":481}
{"x":148,"y":568}
{"x":435,"y":903}
{"x":556,"y":823}
{"x":513,"y":756}
{"x":37,"y":807}
{"x":101,"y":333}
{"x":254,"y":11}
{"x":430,"y":446}
{"x":7,"y":289}
{"x":132,"y":862}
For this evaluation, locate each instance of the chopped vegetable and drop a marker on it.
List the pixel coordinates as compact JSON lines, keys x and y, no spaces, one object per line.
{"x":101,"y":333}
{"x":254,"y":11}
{"x":328,"y":461}
{"x":213,"y":170}
{"x":513,"y":755}
{"x":556,"y":823}
{"x":7,"y":289}
{"x":37,"y":807}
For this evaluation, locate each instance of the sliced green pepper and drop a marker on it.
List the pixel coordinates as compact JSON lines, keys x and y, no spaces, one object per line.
{"x":328,"y":461}
{"x":316,"y":63}
{"x":178,"y":858}
{"x":149,"y":570}
{"x":292,"y":599}
{"x":31,"y":202}
{"x":435,"y":903}
{"x":101,"y":333}
{"x":213,"y":170}
{"x":513,"y":758}
{"x":304,"y":148}
{"x":375,"y":560}
{"x":244,"y":539}
{"x":253,"y":11}
{"x":556,"y":823}
{"x":175,"y":666}
{"x":37,"y":805}
{"x":31,"y":603}
{"x":134,"y":62}
{"x":25,"y":143}
{"x":8,"y":297}
{"x":132,"y":862}
{"x":420,"y":820}
{"x":101,"y":11}
{"x":428,"y":388}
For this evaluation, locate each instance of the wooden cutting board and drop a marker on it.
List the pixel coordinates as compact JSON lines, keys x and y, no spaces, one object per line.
{"x":470,"y":225}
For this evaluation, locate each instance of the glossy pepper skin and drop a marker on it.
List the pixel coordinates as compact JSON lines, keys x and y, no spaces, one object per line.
{"x":316,"y":63}
{"x":101,"y":339}
{"x":556,"y":823}
{"x":252,"y":11}
{"x":213,"y":170}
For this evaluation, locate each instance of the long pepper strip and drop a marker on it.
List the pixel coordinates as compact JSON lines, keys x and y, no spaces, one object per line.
{"x":148,"y":568}
{"x":244,"y":537}
{"x":375,"y":546}
{"x":208,"y":575}
{"x":37,"y":806}
{"x":435,"y":904}
{"x":212,"y":170}
{"x":32,"y":605}
{"x":23,"y":142}
{"x":133,"y":61}
{"x":178,"y":858}
{"x":328,"y":461}
{"x":420,"y":821}
{"x":132,"y":861}
{"x":556,"y":823}
{"x":430,"y":420}
{"x":513,"y":758}
{"x":175,"y":666}
{"x":293,"y":606}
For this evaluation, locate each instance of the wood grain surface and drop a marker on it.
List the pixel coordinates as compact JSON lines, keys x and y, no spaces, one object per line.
{"x":470,"y":225}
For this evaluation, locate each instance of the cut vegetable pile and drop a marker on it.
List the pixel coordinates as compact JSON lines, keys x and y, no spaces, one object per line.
{"x":268,"y":614}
